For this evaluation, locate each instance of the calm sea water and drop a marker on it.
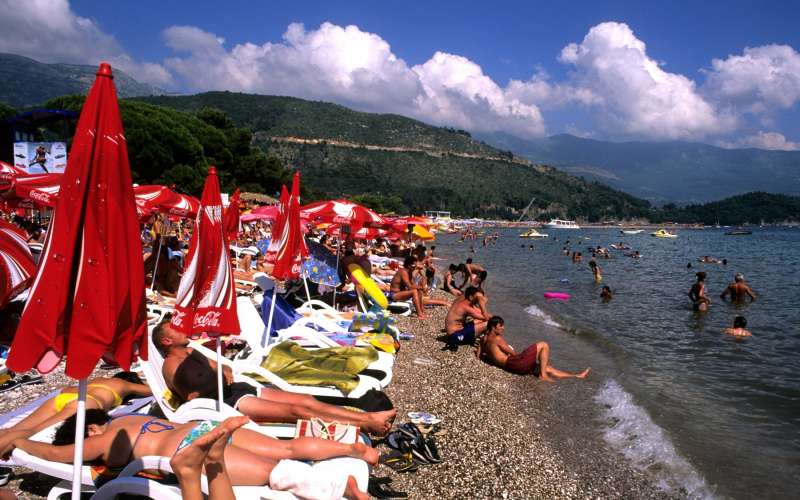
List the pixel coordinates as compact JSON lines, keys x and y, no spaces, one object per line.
{"x":704,"y":413}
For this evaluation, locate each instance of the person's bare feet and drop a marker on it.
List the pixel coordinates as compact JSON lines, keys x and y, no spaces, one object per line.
{"x":546,"y":378}
{"x":187,"y":464}
{"x":381,"y":422}
{"x":216,"y":454}
{"x":366,"y":453}
{"x":352,"y":492}
{"x":584,"y":373}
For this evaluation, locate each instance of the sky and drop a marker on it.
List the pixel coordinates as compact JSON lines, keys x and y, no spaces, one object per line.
{"x":724,"y":73}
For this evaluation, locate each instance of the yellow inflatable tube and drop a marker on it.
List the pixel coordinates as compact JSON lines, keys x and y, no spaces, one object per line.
{"x":369,"y":286}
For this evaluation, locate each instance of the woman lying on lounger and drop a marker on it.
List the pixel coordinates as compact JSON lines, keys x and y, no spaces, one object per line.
{"x":252,"y":459}
{"x":102,"y":393}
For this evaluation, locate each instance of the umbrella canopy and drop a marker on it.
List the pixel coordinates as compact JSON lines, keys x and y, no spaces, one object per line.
{"x":231,"y":217}
{"x":155,"y":198}
{"x":88,"y":295}
{"x":17,"y":267}
{"x":267,"y":212}
{"x":42,"y":189}
{"x":291,"y":244}
{"x":319,"y":272}
{"x":363,"y":233}
{"x":9,"y":173}
{"x":342,"y":212}
{"x":277,"y":226}
{"x":206,"y":300}
{"x":404,"y":222}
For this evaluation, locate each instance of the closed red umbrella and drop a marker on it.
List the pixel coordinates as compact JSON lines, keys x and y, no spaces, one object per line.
{"x":8,"y":174}
{"x":342,"y":212}
{"x":277,"y":226}
{"x":17,"y":267}
{"x":231,"y":218}
{"x":206,"y":300}
{"x":88,"y":295}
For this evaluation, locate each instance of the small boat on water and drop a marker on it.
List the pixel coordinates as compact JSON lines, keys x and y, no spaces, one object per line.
{"x":631,"y":231}
{"x":663,"y":233}
{"x":738,"y":232}
{"x":562,"y":224}
{"x":532,"y":233}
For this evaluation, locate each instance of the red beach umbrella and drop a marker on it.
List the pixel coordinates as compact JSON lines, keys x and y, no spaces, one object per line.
{"x":267,"y":212}
{"x":342,"y":212}
{"x":88,"y":295}
{"x":364,"y":233}
{"x":17,"y":267}
{"x":231,"y":217}
{"x":42,"y":189}
{"x":277,"y":226}
{"x":9,"y":173}
{"x":155,"y":198}
{"x":206,"y":300}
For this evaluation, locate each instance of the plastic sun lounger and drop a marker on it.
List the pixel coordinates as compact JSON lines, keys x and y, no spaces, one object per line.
{"x":252,"y":333}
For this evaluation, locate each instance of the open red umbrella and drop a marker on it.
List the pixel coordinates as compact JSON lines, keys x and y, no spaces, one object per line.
{"x":342,"y":212}
{"x":155,"y":198}
{"x":17,"y":267}
{"x":42,"y":189}
{"x":88,"y":295}
{"x":267,"y":212}
{"x":364,"y":233}
{"x":206,"y":300}
{"x":231,"y":217}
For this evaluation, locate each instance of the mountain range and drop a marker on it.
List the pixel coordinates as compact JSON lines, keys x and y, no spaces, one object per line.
{"x":662,"y":172}
{"x":25,"y":82}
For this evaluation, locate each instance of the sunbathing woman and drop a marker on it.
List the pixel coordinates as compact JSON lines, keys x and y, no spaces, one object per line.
{"x":102,"y":393}
{"x":252,"y":459}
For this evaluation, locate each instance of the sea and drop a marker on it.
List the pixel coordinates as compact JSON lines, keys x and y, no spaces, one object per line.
{"x":705,"y":414}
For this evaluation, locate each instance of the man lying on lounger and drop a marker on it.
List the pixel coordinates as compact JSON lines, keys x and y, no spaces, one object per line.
{"x":535,"y":360}
{"x":190,"y":375}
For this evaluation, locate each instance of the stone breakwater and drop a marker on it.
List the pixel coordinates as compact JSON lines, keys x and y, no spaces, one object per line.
{"x":507,"y":436}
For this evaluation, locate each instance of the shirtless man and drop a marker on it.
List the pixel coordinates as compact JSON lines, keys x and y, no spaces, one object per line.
{"x":697,"y":294}
{"x":739,"y":328}
{"x":402,"y":288}
{"x":534,"y":360}
{"x":190,"y":375}
{"x":470,"y":305}
{"x":450,"y":282}
{"x":738,"y":290}
{"x":473,"y":269}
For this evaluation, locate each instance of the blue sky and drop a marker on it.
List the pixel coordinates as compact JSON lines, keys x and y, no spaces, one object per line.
{"x":726,"y":73}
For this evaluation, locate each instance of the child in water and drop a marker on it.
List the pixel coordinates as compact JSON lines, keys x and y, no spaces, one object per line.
{"x":739,"y":328}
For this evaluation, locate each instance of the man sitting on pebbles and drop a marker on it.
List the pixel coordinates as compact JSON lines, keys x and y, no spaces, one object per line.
{"x":535,"y":360}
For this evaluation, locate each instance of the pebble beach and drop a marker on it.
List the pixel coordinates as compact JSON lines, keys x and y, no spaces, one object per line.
{"x":506,"y":436}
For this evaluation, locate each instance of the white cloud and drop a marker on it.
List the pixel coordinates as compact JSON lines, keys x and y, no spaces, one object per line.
{"x":355,"y":68}
{"x":636,"y":95}
{"x":763,"y":140}
{"x":539,"y":90}
{"x":759,"y":80}
{"x":49,"y":31}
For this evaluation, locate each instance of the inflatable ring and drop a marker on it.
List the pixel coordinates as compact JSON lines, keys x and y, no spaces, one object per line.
{"x":556,"y":295}
{"x":369,"y":286}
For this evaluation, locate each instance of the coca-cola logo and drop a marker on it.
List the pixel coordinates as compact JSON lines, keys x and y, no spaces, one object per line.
{"x":177,"y":318}
{"x":209,"y":319}
{"x":38,"y":196}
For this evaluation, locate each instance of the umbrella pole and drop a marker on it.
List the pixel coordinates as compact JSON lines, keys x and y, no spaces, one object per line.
{"x":219,"y":374}
{"x":305,"y":284}
{"x":338,"y":244}
{"x":80,"y":424}
{"x":267,"y":334}
{"x":155,"y":269}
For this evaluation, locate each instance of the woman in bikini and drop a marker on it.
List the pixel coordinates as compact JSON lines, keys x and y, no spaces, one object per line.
{"x":252,"y":459}
{"x":102,"y":393}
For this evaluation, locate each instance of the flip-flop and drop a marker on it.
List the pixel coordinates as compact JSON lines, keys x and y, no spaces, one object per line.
{"x":379,"y":487}
{"x":399,"y":462}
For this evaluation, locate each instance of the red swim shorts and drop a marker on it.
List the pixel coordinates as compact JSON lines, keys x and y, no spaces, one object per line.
{"x":524,"y":363}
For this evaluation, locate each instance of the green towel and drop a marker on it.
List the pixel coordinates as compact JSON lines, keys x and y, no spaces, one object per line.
{"x":336,"y":366}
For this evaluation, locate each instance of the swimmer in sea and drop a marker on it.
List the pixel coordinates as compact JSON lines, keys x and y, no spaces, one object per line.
{"x":596,"y":271}
{"x":606,"y":294}
{"x":739,"y":328}
{"x":697,"y":294}
{"x":738,"y":290}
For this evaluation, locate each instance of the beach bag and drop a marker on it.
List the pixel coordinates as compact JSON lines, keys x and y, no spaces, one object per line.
{"x":332,"y":431}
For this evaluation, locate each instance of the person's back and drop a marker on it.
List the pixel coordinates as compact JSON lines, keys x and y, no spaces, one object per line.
{"x":738,"y":290}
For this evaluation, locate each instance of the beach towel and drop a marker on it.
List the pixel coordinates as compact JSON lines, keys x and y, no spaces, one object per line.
{"x":336,"y":366}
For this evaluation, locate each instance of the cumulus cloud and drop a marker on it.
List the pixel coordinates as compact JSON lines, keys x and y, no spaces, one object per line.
{"x":635,"y":94}
{"x":49,"y":31}
{"x":761,"y":79}
{"x":764,"y":140}
{"x":355,"y":68}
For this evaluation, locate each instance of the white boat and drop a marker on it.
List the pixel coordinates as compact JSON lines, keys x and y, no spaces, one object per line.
{"x":631,"y":231}
{"x":532,"y":233}
{"x":561,"y":224}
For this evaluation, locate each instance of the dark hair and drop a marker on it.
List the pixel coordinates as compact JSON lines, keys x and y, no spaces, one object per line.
{"x":701,"y":276}
{"x":409,"y":261}
{"x":469,"y":260}
{"x":482,"y":275}
{"x":592,"y":264}
{"x":494,"y":321}
{"x":131,"y":377}
{"x":471,"y":291}
{"x":453,"y":267}
{"x":462,"y":268}
{"x":159,"y":334}
{"x":739,"y":322}
{"x":65,"y":434}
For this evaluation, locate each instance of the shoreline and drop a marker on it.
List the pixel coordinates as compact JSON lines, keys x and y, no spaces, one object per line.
{"x":508,"y":436}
